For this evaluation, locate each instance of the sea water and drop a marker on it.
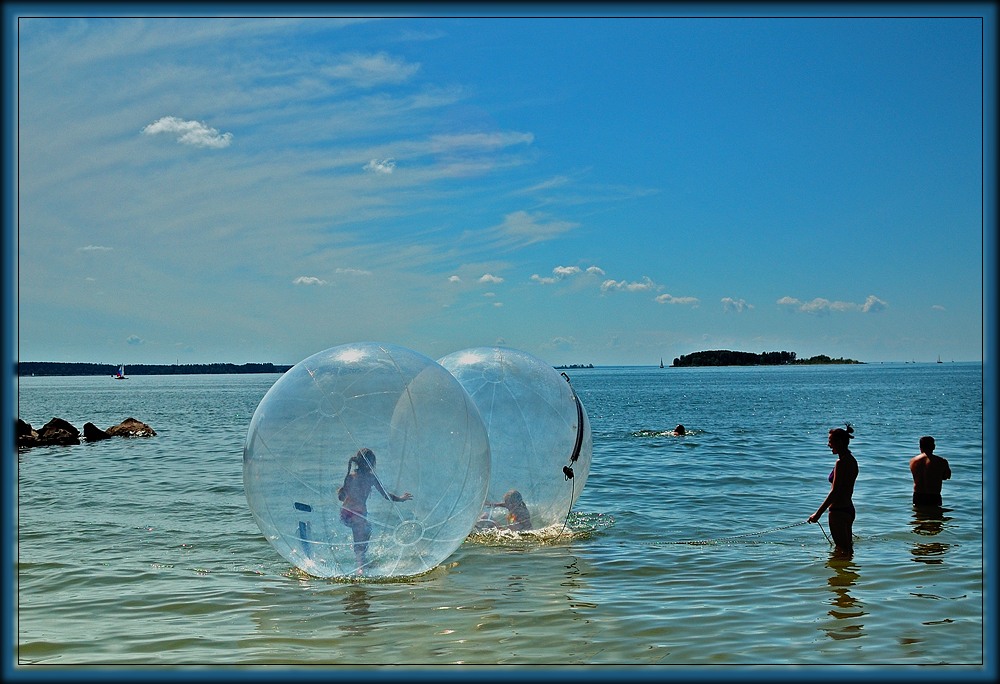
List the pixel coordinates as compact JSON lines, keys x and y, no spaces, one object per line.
{"x":681,"y":551}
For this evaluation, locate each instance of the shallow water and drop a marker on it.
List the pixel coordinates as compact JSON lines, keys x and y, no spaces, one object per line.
{"x":685,"y":550}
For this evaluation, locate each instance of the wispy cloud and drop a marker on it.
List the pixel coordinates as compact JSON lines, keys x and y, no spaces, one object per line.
{"x":524,"y":228}
{"x":370,"y":70}
{"x":411,"y":35}
{"x":193,"y":133}
{"x":95,"y":248}
{"x":490,"y":278}
{"x":561,"y":343}
{"x":478,"y":141}
{"x":821,"y":306}
{"x":549,"y":184}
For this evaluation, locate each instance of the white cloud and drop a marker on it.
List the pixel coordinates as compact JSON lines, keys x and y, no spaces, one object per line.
{"x":645,"y":285}
{"x":308,"y":280}
{"x":544,"y":280}
{"x":561,"y":272}
{"x":873,"y":305}
{"x":820,"y":306}
{"x":735,"y":305}
{"x":490,"y":278}
{"x":95,"y":248}
{"x":454,"y":279}
{"x":595,"y":270}
{"x":371,"y":70}
{"x":192,"y":133}
{"x":381,"y":166}
{"x":938,"y":307}
{"x":354,"y":271}
{"x":670,"y":299}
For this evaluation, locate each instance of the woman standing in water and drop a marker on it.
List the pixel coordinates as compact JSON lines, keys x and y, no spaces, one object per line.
{"x":838,"y":501}
{"x":354,"y":497}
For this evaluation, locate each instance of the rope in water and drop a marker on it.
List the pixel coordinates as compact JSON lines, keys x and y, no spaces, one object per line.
{"x":824,"y":532}
{"x":716,"y":540}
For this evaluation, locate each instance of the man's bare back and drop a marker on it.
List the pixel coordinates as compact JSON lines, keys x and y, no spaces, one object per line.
{"x":929,"y":471}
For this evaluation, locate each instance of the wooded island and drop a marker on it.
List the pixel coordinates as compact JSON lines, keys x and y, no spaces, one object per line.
{"x":724,"y":357}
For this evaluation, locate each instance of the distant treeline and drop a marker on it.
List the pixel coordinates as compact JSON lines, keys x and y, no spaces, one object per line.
{"x":723,"y":357}
{"x":23,"y":368}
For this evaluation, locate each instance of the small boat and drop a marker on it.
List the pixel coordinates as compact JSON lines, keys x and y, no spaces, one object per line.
{"x":661,"y":362}
{"x":120,"y":375}
{"x":939,"y":359}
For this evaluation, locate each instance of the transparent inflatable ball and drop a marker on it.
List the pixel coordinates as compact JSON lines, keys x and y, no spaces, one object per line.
{"x":366,"y":459}
{"x":540,"y":437}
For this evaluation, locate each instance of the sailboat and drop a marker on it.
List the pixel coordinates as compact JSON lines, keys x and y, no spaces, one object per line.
{"x":939,"y":359}
{"x":120,"y":375}
{"x":661,"y":362}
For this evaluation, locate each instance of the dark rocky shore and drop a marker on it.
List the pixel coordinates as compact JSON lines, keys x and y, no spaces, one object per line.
{"x":59,"y":432}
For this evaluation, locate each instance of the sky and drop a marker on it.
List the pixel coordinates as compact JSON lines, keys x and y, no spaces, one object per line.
{"x":610,"y":190}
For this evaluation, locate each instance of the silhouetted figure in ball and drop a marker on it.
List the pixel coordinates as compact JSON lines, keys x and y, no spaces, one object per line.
{"x":354,"y":494}
{"x":518,"y":517}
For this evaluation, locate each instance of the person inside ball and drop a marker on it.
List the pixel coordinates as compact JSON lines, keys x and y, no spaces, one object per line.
{"x":518,"y":517}
{"x":354,"y":494}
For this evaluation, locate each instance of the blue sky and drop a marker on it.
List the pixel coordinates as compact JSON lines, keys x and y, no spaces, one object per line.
{"x":589,"y":190}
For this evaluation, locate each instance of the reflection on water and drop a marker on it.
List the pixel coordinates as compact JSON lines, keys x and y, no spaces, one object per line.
{"x":929,"y":521}
{"x":847,"y":611}
{"x":357,"y":603}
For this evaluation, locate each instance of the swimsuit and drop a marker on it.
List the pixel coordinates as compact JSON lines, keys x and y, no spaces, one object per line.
{"x":350,"y":518}
{"x":926,"y":499}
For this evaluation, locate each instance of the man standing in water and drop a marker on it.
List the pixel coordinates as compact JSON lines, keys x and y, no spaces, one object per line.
{"x":929,"y":471}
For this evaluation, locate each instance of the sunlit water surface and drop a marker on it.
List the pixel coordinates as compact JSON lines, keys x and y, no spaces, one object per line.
{"x":680,"y":551}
